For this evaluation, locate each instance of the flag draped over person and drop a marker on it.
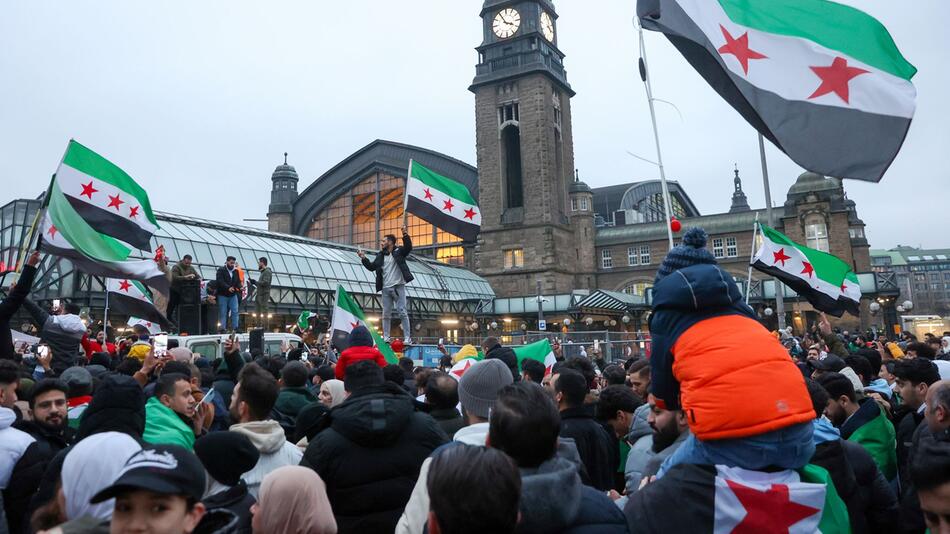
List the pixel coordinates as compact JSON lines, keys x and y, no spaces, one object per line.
{"x":825,"y":280}
{"x":443,"y":202}
{"x":131,"y":298}
{"x":823,"y":81}
{"x":78,"y":225}
{"x":347,"y":315}
{"x":540,"y":351}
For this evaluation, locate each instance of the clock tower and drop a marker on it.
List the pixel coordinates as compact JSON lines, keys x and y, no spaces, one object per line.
{"x":525,"y":154}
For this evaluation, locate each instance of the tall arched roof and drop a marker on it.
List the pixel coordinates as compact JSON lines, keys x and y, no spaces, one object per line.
{"x":380,"y":155}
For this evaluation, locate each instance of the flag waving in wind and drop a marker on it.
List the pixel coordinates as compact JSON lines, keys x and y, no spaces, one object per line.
{"x":825,"y":280}
{"x":539,"y":350}
{"x":347,"y":315}
{"x":823,"y":81}
{"x":131,"y":298}
{"x":99,"y":242}
{"x":443,"y":202}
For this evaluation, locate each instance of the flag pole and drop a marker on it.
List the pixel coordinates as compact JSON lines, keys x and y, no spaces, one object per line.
{"x":405,"y":197}
{"x":105,"y":311}
{"x":779,"y":287}
{"x":645,"y":76}
{"x":748,"y":284}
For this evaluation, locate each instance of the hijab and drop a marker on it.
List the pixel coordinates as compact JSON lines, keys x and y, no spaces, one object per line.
{"x":336,"y":390}
{"x":293,"y":500}
{"x":92,"y":465}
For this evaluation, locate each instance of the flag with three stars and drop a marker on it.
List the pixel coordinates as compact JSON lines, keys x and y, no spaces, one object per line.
{"x":442,"y":202}
{"x":731,"y":500}
{"x":347,"y":315}
{"x":825,"y":280}
{"x":78,"y":225}
{"x":130,"y":297}
{"x":823,"y":81}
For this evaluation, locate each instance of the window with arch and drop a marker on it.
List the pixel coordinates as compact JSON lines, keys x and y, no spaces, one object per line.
{"x":816,"y":233}
{"x":637,"y":288}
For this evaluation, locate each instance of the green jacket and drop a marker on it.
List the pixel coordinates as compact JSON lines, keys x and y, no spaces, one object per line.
{"x":291,"y":400}
{"x":180,"y":272}
{"x":164,"y":426}
{"x":870,"y":428}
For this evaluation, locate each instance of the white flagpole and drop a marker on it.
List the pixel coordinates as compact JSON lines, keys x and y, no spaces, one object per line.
{"x":645,"y":76}
{"x":748,"y":284}
{"x":105,"y":311}
{"x":405,"y":201}
{"x":779,"y":287}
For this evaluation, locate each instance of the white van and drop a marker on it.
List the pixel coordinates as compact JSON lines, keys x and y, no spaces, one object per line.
{"x":210,"y":345}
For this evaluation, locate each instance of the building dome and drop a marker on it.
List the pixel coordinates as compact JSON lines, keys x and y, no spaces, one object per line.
{"x":578,"y":186}
{"x":808,"y":182}
{"x":285,"y":172}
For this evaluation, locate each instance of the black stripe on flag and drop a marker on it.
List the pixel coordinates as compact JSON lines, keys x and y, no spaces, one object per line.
{"x":112,"y":224}
{"x":340,"y":340}
{"x":84,"y":264}
{"x":821,"y":301}
{"x":134,"y":307}
{"x":438,"y":218}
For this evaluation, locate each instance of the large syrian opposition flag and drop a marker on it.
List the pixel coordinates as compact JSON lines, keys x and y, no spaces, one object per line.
{"x":825,"y":280}
{"x":443,"y":202}
{"x":823,"y":81}
{"x":153,"y":328}
{"x":106,"y":197}
{"x":729,"y":500}
{"x":131,"y":298}
{"x":347,"y":315}
{"x":539,"y":350}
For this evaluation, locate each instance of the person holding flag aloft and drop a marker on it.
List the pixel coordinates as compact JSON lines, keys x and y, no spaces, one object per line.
{"x":392,"y":275}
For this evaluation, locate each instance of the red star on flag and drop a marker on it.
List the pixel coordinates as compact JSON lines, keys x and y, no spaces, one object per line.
{"x":134,"y":212}
{"x":844,"y":287}
{"x":739,"y":48}
{"x":88,"y":190}
{"x":461,"y":371}
{"x":807,"y":269}
{"x":768,"y":511}
{"x":115,"y":202}
{"x":52,"y":231}
{"x":125,"y":285}
{"x":780,"y":256}
{"x":448,"y":205}
{"x":835,"y":79}
{"x":148,"y":324}
{"x":428,"y":194}
{"x":354,"y":325}
{"x":470,"y":214}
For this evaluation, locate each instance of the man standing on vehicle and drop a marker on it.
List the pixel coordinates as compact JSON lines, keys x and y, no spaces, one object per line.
{"x":262,"y":295}
{"x":229,"y":294}
{"x":392,"y":275}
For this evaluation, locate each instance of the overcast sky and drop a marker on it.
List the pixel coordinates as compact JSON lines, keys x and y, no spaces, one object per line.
{"x":198,"y":100}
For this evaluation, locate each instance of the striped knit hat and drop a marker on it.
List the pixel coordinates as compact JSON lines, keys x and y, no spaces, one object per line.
{"x":691,"y":252}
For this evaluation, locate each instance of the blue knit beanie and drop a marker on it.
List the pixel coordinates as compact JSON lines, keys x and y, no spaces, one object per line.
{"x":691,"y":252}
{"x":360,"y":337}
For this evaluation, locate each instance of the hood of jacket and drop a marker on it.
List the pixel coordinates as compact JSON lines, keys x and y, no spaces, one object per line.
{"x":267,"y":436}
{"x":374,"y":416}
{"x":639,"y":427}
{"x":69,"y":324}
{"x":550,"y":496}
{"x":472,"y":434}
{"x":359,"y":352}
{"x":118,"y":405}
{"x":697,"y":287}
{"x":7,"y":418}
{"x":824,"y":431}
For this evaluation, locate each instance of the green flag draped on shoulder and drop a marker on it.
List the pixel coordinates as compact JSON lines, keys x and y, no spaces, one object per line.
{"x":443,"y":202}
{"x":825,"y":280}
{"x":88,"y":234}
{"x":823,"y":81}
{"x":347,"y":315}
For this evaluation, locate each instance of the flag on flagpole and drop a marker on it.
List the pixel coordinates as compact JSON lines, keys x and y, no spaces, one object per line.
{"x":131,"y":298}
{"x":825,"y":280}
{"x":443,"y":202}
{"x":153,"y":328}
{"x":98,"y":235}
{"x":823,"y":81}
{"x":347,"y":315}
{"x":540,"y":351}
{"x":303,"y":320}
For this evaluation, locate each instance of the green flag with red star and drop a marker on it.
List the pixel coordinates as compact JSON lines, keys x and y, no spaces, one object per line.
{"x":347,"y":315}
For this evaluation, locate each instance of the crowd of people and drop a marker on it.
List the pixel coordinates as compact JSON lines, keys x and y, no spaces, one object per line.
{"x":726,"y":427}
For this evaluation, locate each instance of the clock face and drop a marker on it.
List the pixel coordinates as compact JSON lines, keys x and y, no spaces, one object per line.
{"x":547,"y":27}
{"x":506,"y":23}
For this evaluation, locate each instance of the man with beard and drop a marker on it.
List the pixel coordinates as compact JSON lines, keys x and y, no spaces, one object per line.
{"x":670,"y":430}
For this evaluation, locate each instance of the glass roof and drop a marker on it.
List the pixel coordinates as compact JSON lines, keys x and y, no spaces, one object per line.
{"x":300,"y":262}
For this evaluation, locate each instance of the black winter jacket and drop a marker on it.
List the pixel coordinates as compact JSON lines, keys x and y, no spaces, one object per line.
{"x":9,"y":307}
{"x":508,"y":356}
{"x":226,"y":279}
{"x":594,"y":445}
{"x":236,"y":500}
{"x":399,"y":254}
{"x":370,"y":456}
{"x":872,"y":505}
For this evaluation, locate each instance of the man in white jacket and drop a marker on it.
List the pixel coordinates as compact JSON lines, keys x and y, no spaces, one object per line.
{"x":251,"y":404}
{"x":13,"y":443}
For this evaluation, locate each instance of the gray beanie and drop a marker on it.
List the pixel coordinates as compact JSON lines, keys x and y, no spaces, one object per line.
{"x":76,"y":377}
{"x":479,"y":386}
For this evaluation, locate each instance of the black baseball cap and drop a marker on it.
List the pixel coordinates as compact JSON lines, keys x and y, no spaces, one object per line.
{"x":831,"y":362}
{"x":165,"y":469}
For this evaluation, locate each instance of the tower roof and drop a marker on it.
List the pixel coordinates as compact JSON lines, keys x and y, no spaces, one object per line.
{"x":285,"y":171}
{"x":739,"y":200}
{"x":577,"y":186}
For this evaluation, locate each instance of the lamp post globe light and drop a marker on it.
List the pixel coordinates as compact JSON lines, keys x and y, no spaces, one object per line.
{"x":589,"y":321}
{"x":900,"y":308}
{"x":908,"y":305}
{"x":768,"y":312}
{"x":567,"y":322}
{"x":494,"y":325}
{"x":874,"y":307}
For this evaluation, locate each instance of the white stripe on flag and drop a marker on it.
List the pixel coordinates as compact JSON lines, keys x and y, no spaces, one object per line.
{"x":456,"y":210}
